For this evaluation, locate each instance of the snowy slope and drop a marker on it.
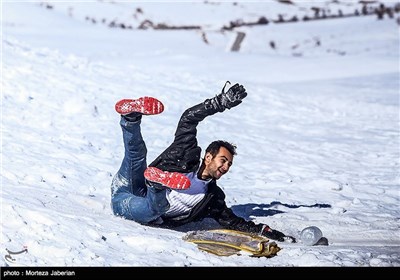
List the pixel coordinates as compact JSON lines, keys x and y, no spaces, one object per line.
{"x":318,"y":135}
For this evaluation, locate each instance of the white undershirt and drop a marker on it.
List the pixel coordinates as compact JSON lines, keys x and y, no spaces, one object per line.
{"x":182,"y":201}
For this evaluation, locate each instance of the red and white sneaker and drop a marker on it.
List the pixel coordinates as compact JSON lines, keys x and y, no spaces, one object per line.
{"x":144,"y":105}
{"x":172,"y":180}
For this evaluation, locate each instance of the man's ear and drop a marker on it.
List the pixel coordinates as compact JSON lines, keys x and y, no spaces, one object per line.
{"x":207,"y":158}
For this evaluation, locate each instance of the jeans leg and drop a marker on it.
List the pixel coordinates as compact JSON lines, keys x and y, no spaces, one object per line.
{"x":140,"y":209}
{"x":134,"y":162}
{"x":130,"y":196}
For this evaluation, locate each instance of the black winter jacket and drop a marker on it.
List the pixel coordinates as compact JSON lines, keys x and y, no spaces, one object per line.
{"x":183,"y":156}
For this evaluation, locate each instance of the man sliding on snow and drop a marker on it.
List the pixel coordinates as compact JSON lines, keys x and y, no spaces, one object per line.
{"x":178,"y":187}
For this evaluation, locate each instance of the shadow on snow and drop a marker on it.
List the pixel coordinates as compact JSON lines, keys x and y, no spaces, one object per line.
{"x":246,"y":211}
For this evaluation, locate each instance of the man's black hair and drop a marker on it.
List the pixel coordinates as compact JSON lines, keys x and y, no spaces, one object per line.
{"x":213,"y":148}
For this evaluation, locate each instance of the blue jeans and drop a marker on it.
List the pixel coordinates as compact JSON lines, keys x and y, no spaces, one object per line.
{"x":130,"y":196}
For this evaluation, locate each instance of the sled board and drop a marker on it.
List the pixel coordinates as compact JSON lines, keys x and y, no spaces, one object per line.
{"x":225,"y":242}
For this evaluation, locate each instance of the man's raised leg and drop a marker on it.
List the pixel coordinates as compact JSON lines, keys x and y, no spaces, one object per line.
{"x":129,"y":194}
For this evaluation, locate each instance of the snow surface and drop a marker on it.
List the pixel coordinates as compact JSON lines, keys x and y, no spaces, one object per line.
{"x":318,"y":135}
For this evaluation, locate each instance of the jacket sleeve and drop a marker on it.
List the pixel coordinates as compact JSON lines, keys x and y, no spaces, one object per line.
{"x":183,"y":155}
{"x":226,"y":218}
{"x":187,"y":126}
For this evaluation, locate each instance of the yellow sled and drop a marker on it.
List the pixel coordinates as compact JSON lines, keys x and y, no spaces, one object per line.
{"x":225,"y":242}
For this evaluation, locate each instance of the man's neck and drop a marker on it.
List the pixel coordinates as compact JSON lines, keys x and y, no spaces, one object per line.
{"x":202,"y":174}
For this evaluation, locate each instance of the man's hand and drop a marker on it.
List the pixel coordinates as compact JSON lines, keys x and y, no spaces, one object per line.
{"x":277,"y":235}
{"x":229,"y":99}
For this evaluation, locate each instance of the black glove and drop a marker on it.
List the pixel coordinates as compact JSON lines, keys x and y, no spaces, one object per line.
{"x":276,"y":235}
{"x":229,"y":99}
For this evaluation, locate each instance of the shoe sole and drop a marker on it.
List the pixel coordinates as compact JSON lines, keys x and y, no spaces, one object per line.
{"x":172,"y":180}
{"x":144,"y":105}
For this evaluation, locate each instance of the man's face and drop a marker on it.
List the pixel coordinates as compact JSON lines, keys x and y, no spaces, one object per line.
{"x":219,"y":165}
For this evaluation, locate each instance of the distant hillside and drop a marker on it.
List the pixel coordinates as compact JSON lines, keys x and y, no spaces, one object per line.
{"x":141,"y":15}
